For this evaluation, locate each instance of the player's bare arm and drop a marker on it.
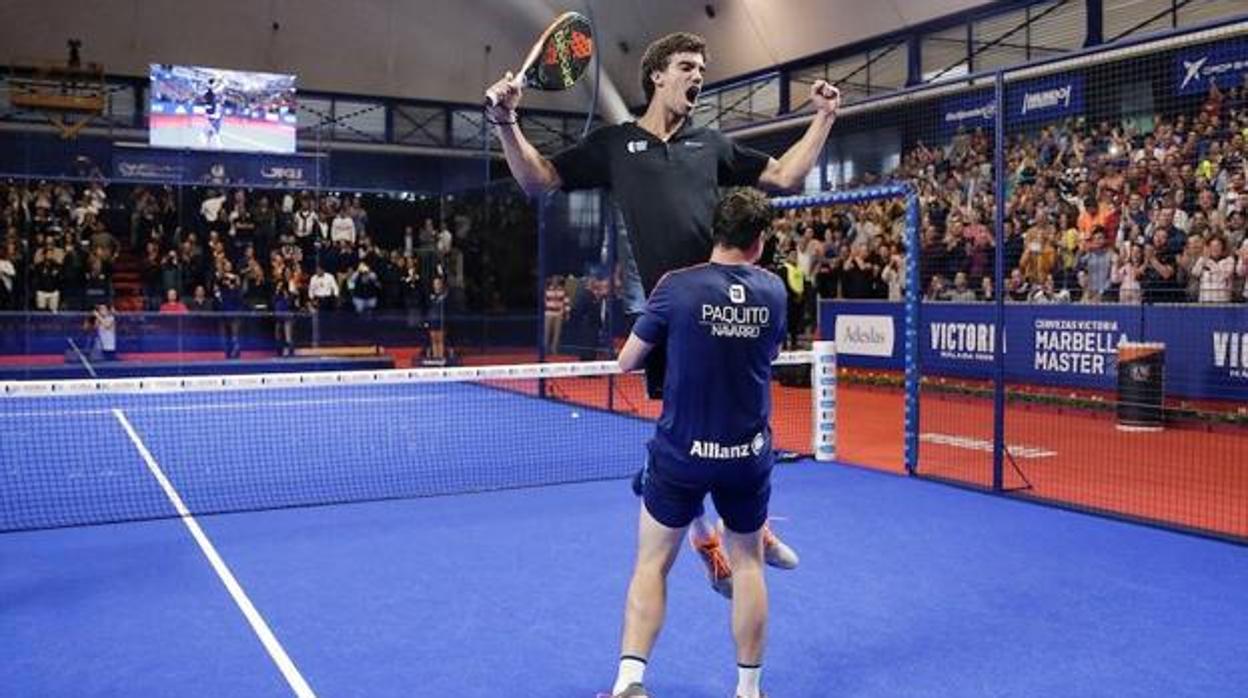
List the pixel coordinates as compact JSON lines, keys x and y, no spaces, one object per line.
{"x":633,"y":355}
{"x":533,"y":172}
{"x":788,"y":173}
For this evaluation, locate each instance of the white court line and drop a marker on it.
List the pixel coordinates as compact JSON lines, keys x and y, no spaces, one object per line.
{"x":261,"y":628}
{"x":971,"y":444}
{"x":254,"y":143}
{"x":255,"y":405}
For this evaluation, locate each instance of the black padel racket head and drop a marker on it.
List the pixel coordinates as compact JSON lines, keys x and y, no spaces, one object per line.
{"x":565,"y":51}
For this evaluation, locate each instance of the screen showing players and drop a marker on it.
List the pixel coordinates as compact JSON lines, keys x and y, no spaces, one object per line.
{"x":216,"y":109}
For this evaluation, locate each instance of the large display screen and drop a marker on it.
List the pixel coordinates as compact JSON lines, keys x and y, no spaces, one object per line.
{"x":216,"y":109}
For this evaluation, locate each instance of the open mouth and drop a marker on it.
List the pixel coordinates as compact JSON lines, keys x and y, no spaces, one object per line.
{"x":691,"y":94}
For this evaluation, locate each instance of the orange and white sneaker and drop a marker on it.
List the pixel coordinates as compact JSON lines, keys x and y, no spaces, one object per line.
{"x":718,"y":571}
{"x":776,"y":552}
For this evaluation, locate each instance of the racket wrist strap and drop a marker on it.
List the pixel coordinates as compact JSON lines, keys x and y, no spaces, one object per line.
{"x":509,"y":120}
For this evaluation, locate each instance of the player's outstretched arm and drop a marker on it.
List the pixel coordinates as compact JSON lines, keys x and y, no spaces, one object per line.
{"x":788,"y":173}
{"x":533,"y":172}
{"x":633,"y":355}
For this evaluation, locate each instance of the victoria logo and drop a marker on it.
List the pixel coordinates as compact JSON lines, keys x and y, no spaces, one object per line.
{"x":1192,"y":70}
{"x":1230,"y":351}
{"x":736,"y":293}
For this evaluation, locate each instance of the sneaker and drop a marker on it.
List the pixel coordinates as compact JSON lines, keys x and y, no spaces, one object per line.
{"x":633,"y":690}
{"x":776,"y":552}
{"x":718,"y":571}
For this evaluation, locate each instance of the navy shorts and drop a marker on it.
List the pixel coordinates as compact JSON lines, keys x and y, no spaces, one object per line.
{"x":673,"y":494}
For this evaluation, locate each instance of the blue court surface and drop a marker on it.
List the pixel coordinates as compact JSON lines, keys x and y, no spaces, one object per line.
{"x":906,"y":588}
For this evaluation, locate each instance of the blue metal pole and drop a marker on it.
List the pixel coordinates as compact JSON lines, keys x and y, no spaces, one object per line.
{"x":542,"y":230}
{"x":998,"y":274}
{"x":914,"y":60}
{"x":912,"y":311}
{"x":1094,"y":34}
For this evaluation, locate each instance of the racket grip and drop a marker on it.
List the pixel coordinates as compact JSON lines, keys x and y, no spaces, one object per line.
{"x":492,"y":100}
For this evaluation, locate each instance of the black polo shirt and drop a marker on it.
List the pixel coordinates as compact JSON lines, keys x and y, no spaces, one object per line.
{"x":666,"y":191}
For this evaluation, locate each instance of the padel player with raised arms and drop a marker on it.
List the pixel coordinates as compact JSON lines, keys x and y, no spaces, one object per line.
{"x":664,"y":174}
{"x":721,"y":324}
{"x":214,"y":111}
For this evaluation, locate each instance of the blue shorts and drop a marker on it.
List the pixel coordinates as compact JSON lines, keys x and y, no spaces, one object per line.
{"x":673,"y":494}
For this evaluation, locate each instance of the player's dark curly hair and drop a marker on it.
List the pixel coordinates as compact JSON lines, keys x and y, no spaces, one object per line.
{"x":740,"y":216}
{"x":659,"y":54}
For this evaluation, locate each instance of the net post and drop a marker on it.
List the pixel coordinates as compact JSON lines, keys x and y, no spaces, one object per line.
{"x":823,"y":380}
{"x":613,"y":241}
{"x":543,"y":205}
{"x":912,"y":308}
{"x":998,"y":272}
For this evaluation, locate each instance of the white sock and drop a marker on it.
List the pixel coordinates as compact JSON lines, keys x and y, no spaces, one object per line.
{"x":748,"y":680}
{"x":632,"y":670}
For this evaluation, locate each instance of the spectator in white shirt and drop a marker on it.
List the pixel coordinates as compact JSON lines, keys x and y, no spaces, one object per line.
{"x":1127,"y":271}
{"x":1235,"y":198}
{"x":95,"y":192}
{"x":323,"y":289}
{"x":1049,"y":293}
{"x":444,"y":240}
{"x":1216,"y":272}
{"x":342,"y":228}
{"x":1241,"y":268}
{"x":210,"y":209}
{"x":8,"y":273}
{"x":306,"y":223}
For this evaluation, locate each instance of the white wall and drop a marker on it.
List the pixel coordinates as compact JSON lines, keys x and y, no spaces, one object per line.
{"x":433,"y":49}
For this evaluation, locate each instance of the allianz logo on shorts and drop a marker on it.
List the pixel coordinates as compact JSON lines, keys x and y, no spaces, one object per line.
{"x":713,"y":450}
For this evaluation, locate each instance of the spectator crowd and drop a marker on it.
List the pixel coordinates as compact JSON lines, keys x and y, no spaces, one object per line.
{"x":1094,"y":213}
{"x":1136,"y":211}
{"x":236,"y":250}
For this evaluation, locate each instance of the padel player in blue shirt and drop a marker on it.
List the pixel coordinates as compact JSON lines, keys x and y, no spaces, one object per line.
{"x":722,"y":324}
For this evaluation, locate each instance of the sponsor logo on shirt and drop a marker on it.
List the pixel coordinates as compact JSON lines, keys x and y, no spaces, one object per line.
{"x":637,"y":146}
{"x":713,"y":450}
{"x":745,"y":321}
{"x":693,"y":144}
{"x":735,"y":319}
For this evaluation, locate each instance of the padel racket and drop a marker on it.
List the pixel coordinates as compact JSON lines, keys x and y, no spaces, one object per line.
{"x":559,"y":58}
